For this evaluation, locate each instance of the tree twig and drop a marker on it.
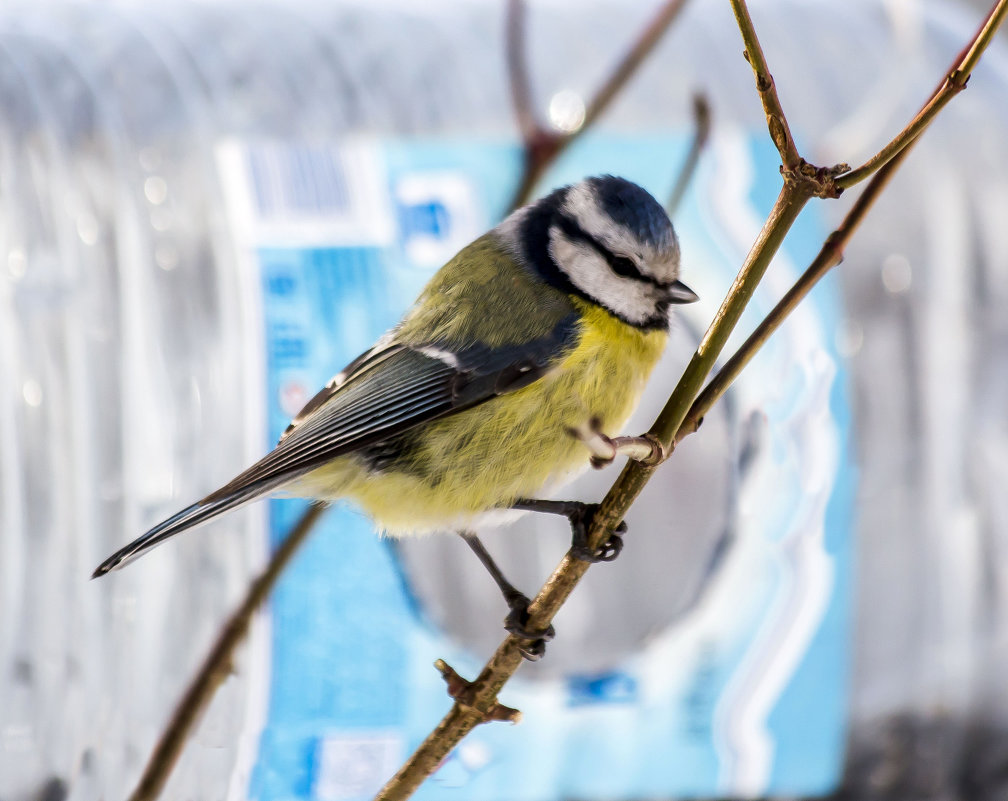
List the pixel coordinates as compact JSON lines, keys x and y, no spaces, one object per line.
{"x":701,"y":133}
{"x":631,"y":61}
{"x":828,"y":257}
{"x":831,"y":253}
{"x":217,"y":665}
{"x":955,"y":81}
{"x":543,"y":146}
{"x":505,"y":661}
{"x":780,"y":132}
{"x":518,"y":74}
{"x":673,"y":419}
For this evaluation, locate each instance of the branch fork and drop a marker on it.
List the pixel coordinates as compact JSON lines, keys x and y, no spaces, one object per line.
{"x":684,"y":407}
{"x":543,"y":146}
{"x":815,"y":181}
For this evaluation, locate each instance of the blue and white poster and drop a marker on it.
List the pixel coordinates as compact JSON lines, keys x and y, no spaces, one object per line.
{"x":710,"y":660}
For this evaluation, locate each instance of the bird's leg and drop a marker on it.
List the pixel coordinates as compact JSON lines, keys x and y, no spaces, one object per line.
{"x":580,"y":516}
{"x":518,"y":602}
{"x":514,"y":598}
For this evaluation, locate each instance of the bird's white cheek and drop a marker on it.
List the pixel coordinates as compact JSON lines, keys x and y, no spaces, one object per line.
{"x":590,"y":273}
{"x":582,"y":264}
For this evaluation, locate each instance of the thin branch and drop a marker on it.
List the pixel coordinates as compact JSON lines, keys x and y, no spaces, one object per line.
{"x":502,"y":665}
{"x":831,"y":253}
{"x":677,"y":416}
{"x":821,"y":180}
{"x":543,"y":146}
{"x":780,"y":132}
{"x":955,"y":81}
{"x":628,"y":65}
{"x":635,"y":475}
{"x":217,"y":665}
{"x":701,"y":133}
{"x":828,"y":257}
{"x":518,"y":75}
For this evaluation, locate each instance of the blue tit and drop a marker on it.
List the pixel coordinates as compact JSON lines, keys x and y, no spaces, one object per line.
{"x":554,"y":318}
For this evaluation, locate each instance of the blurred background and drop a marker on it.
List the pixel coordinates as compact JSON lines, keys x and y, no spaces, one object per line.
{"x":207,"y":209}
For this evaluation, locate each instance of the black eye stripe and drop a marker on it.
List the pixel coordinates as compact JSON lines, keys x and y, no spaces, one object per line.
{"x":621,"y":265}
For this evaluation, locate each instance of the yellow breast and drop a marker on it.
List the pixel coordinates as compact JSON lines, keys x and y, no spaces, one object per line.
{"x":510,"y":447}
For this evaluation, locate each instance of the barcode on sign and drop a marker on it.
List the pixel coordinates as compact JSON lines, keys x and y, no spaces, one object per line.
{"x":298,"y":180}
{"x":316,"y":194}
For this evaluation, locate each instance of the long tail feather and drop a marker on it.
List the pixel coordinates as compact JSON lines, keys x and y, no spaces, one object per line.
{"x":191,"y":516}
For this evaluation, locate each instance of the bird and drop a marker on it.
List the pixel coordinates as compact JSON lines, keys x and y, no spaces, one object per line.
{"x":462,"y":413}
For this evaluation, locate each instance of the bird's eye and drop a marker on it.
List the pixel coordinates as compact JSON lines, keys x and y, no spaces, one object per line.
{"x":621,"y":265}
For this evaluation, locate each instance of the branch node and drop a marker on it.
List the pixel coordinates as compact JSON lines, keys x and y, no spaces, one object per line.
{"x":833,"y":246}
{"x":544,"y":145}
{"x":817,"y":181}
{"x":462,"y":692}
{"x":778,"y":132}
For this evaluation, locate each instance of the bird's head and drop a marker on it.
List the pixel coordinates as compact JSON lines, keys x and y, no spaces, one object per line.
{"x":607,"y":240}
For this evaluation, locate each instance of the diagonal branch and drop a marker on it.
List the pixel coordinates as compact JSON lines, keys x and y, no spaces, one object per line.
{"x":831,"y":253}
{"x":955,"y":81}
{"x":506,"y":660}
{"x":780,"y":132}
{"x":701,"y":133}
{"x":680,"y":416}
{"x":828,"y":257}
{"x":819,"y":180}
{"x":217,"y":665}
{"x":634,"y":57}
{"x":518,"y":74}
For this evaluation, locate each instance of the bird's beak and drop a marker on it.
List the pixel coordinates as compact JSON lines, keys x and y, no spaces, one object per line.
{"x":678,"y":292}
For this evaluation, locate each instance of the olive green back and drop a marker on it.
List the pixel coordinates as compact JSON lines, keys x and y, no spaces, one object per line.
{"x":483,"y":295}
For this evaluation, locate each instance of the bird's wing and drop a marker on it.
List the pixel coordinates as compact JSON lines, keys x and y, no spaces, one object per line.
{"x":392,"y":389}
{"x":388,"y":390}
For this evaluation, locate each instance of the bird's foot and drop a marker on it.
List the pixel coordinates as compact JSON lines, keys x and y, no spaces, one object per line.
{"x":533,"y":645}
{"x":646,"y":449}
{"x":581,"y":516}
